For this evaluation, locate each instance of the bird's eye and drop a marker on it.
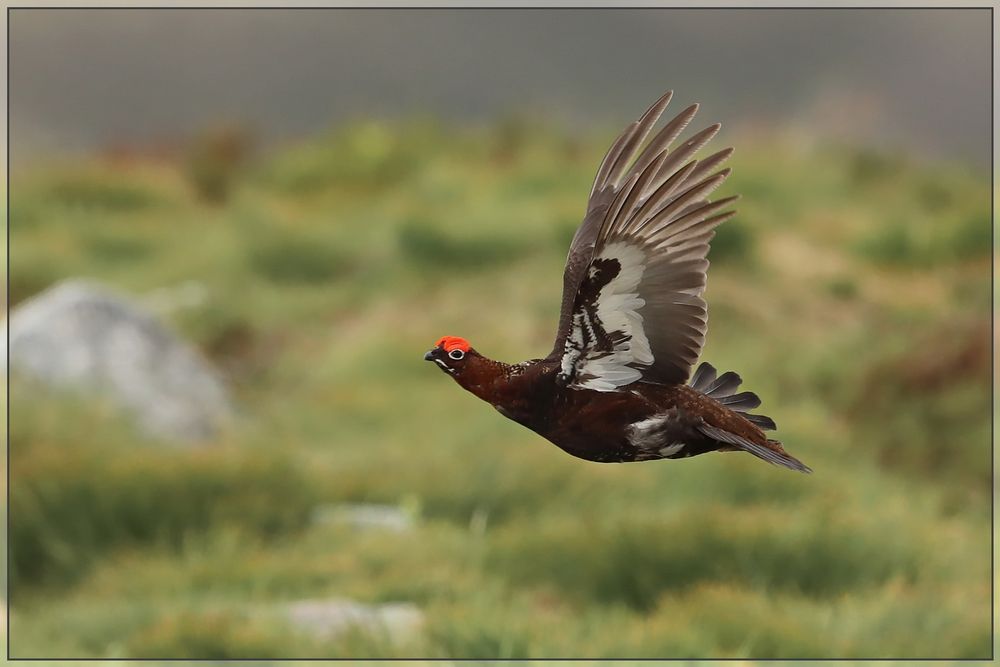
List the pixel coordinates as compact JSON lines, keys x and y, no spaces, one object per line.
{"x":456,"y":354}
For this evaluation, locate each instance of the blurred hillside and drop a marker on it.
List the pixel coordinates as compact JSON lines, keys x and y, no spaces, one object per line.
{"x":902,"y":77}
{"x":852,"y":293}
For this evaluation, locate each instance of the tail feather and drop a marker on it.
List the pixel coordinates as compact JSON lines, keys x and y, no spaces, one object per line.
{"x":722,"y":388}
{"x":704,"y":376}
{"x":745,"y":400}
{"x":776,"y":454}
{"x":762,"y":421}
{"x":772,"y":452}
{"x":724,"y":385}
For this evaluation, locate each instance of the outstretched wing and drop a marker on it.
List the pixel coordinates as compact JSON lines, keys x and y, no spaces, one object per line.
{"x":632,"y":306}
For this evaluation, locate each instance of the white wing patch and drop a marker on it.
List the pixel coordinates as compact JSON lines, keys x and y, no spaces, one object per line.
{"x":617,"y":316}
{"x":649,"y":208}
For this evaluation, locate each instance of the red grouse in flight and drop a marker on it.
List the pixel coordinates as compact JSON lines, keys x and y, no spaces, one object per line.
{"x":615,"y":386}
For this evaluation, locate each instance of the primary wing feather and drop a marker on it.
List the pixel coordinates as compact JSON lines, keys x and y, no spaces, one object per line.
{"x":606,"y":185}
{"x":632,"y":306}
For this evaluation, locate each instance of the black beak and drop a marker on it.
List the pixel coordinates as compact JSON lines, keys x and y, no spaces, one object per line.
{"x":429,"y":356}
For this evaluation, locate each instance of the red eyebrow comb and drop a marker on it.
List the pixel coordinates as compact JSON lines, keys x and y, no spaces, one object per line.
{"x":450,"y":343}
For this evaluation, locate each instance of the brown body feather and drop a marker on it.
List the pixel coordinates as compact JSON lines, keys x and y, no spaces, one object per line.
{"x":597,"y":426}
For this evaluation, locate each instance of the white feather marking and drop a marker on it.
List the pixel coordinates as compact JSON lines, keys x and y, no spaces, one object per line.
{"x":648,"y":435}
{"x":444,"y":366}
{"x":618,"y":306}
{"x":574,"y":346}
{"x":645,"y":434}
{"x":647,"y":424}
{"x":671,"y":449}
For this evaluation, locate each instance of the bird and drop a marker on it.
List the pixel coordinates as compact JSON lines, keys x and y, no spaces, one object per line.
{"x":617,"y":386}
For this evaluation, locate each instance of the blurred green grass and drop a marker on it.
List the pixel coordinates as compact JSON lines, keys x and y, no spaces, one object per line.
{"x":852,"y":294}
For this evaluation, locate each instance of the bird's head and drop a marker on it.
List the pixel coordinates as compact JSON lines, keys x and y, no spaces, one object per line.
{"x":452,"y":354}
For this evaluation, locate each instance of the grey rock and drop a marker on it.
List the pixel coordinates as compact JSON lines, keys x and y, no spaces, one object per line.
{"x":83,"y":336}
{"x":366,"y":516}
{"x":328,"y":619}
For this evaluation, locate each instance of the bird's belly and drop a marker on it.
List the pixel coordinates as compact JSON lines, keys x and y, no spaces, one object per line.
{"x":667,"y":434}
{"x":618,"y":427}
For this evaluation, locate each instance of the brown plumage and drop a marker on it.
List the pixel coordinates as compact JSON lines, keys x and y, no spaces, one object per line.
{"x":615,"y":386}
